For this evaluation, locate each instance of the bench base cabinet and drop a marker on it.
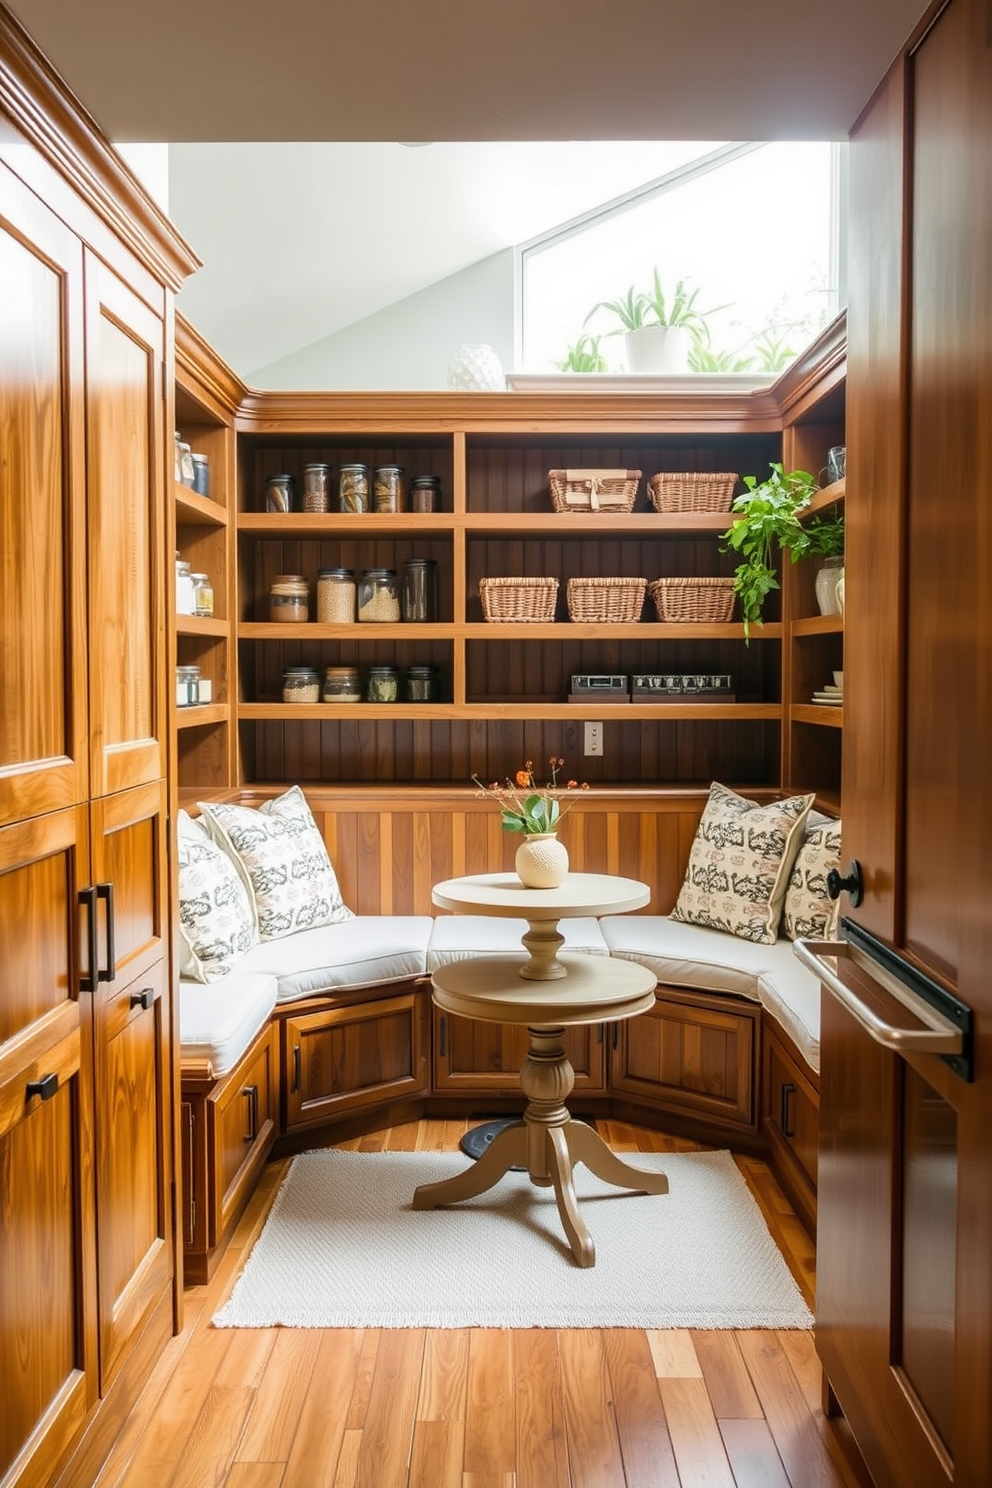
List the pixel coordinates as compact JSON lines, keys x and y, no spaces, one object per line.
{"x":790,"y":1120}
{"x":481,"y":1059}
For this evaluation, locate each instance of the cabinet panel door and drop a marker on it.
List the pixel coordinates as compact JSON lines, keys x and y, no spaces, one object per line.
{"x":693,"y":1054}
{"x":242,"y":1127}
{"x":43,"y":724}
{"x":125,"y":412}
{"x":482,"y":1058}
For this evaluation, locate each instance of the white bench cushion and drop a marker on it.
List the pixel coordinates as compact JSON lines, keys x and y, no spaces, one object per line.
{"x":218,"y":1020}
{"x":457,"y":937}
{"x":363,"y":952}
{"x":791,"y":995}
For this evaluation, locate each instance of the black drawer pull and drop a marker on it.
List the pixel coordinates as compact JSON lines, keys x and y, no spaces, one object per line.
{"x":143,"y":999}
{"x":250,"y":1092}
{"x":616,"y":1035}
{"x":785,"y":1110}
{"x":297,"y":1067}
{"x":105,"y":891}
{"x":44,"y":1088}
{"x":87,"y":979}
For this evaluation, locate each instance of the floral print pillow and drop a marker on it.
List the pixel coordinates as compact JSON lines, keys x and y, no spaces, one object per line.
{"x":216,"y":924}
{"x":807,"y":910}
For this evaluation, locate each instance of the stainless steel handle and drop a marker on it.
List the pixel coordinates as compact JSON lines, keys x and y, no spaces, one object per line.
{"x":940,"y":1036}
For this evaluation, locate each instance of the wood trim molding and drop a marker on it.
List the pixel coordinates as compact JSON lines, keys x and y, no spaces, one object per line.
{"x":819,"y":367}
{"x":202,"y":373}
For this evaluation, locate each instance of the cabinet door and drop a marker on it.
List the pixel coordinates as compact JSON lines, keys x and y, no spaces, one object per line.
{"x":242,"y":1127}
{"x":48,"y":1348}
{"x":43,"y":724}
{"x":125,"y":412}
{"x":132,"y":1073}
{"x":484,"y":1058}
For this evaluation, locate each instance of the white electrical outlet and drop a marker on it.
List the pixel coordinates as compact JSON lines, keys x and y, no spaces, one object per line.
{"x":593,"y":741}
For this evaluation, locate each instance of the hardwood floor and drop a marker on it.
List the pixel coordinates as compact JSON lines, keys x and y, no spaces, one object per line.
{"x":486,"y":1408}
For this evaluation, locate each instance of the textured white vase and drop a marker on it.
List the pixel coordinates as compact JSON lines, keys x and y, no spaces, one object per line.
{"x":476,"y":369}
{"x":825,"y":585}
{"x":541,"y":861}
{"x":657,"y":349}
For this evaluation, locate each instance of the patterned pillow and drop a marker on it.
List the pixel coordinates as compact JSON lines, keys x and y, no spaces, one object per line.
{"x":283,"y":861}
{"x":740,"y":863}
{"x":216,"y":924}
{"x":807,"y":909}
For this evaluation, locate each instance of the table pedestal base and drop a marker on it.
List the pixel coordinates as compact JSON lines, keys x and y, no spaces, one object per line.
{"x":548,"y":1143}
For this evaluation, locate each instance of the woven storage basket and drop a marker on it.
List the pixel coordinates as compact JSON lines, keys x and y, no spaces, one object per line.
{"x":606,"y":599}
{"x":593,"y":490}
{"x":694,"y":490}
{"x":709,"y":600}
{"x":518,"y":599}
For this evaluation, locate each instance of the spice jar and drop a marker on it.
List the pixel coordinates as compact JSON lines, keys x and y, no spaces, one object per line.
{"x":342,"y":685}
{"x":421,"y":684}
{"x":187,"y":686}
{"x":353,"y":488}
{"x":186,"y":464}
{"x":378,"y":597}
{"x":177,"y":457}
{"x":201,"y":474}
{"x":316,"y":488}
{"x":203,"y":594}
{"x":336,"y":596}
{"x":289,"y":598}
{"x":185,"y":601}
{"x":420,"y":589}
{"x":387,"y":485}
{"x":382,"y":684}
{"x":425,"y":493}
{"x":301,"y":685}
{"x":279,"y":493}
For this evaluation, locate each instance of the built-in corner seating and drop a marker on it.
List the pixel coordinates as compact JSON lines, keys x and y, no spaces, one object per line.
{"x":331,"y":1026}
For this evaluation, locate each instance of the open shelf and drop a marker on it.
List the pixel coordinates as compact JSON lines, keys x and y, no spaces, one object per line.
{"x":193,"y":510}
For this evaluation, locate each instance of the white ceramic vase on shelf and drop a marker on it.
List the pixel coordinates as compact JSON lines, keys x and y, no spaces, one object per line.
{"x":825,"y":585}
{"x":657,"y":349}
{"x":541,"y":861}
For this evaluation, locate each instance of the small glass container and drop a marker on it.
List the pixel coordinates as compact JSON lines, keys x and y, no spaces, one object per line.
{"x":389,"y":488}
{"x":177,"y":457}
{"x":185,"y":600}
{"x":289,"y":599}
{"x":382,"y":684}
{"x":186,"y":464}
{"x":279,"y":493}
{"x":425,"y":493}
{"x":316,"y":488}
{"x":353,"y":488}
{"x":342,"y":684}
{"x":203,"y":594}
{"x":301,"y":685}
{"x":420,"y":589}
{"x":201,"y":474}
{"x":421,"y":684}
{"x":187,"y":686}
{"x":336,"y":596}
{"x":378,"y":595}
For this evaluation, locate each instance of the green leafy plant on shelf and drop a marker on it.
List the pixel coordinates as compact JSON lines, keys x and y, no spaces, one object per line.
{"x":583,"y":355}
{"x":639,"y":308}
{"x":769,"y":522}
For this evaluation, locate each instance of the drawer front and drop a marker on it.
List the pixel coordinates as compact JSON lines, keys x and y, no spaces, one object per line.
{"x":242,"y":1125}
{"x":477,"y":1057}
{"x":791,"y":1107}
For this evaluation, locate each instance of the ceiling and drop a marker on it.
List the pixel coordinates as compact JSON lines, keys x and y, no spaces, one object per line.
{"x":305,"y":76}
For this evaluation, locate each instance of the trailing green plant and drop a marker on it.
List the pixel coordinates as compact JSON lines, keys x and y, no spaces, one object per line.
{"x":640,"y":308}
{"x":702,"y":357}
{"x":583,"y":355}
{"x":769,"y":522}
{"x":772,"y":353}
{"x":630,"y":311}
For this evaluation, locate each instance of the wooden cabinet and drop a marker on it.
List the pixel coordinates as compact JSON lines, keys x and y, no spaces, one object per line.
{"x":790,"y":1120}
{"x":483,"y":1059}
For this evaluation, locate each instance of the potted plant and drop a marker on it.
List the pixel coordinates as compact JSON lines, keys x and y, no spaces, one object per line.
{"x":769,"y":519}
{"x":658,"y":330}
{"x":583,"y":355}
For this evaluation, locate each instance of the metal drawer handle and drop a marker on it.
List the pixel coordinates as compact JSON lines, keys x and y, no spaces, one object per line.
{"x":44,"y":1088}
{"x":143,"y":999}
{"x":940,"y":1036}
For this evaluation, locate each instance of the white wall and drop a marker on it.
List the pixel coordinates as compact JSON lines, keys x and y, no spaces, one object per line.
{"x":407,"y":346}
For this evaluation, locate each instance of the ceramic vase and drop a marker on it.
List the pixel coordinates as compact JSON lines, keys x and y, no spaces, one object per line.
{"x":839,"y":593}
{"x":657,"y":349}
{"x":825,"y":585}
{"x":541,"y":861}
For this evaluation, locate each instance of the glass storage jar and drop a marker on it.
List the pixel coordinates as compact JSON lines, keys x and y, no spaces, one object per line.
{"x":425,"y":493}
{"x":301,"y":685}
{"x":353,"y":488}
{"x":378,"y":595}
{"x":201,"y":474}
{"x":289,"y":598}
{"x":177,"y":457}
{"x":342,"y":684}
{"x":187,"y":686}
{"x":420,"y":589}
{"x":382,"y":684}
{"x":317,"y":488}
{"x":185,"y":599}
{"x":203,"y":594}
{"x":388,"y":488}
{"x":279,"y":493}
{"x":421,"y":684}
{"x":336,"y":596}
{"x":186,"y":464}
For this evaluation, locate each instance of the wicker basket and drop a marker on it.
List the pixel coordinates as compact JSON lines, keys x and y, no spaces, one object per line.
{"x":593,"y":490}
{"x":709,"y":600}
{"x":518,"y":599}
{"x":689,"y":491}
{"x":606,"y":599}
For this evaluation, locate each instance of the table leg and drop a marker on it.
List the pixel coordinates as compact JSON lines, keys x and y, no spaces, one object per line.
{"x":507,"y":1150}
{"x":586,"y":1145}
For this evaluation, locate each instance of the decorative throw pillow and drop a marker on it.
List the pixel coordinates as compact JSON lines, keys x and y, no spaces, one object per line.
{"x":740,"y":863}
{"x":283,"y":860}
{"x":807,"y":909}
{"x":216,"y":924}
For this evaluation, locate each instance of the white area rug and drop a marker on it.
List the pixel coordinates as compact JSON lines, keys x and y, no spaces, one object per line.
{"x":342,"y":1248}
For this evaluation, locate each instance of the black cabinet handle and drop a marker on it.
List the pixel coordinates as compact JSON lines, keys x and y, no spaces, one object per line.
{"x":443,"y":1037}
{"x":853,"y":883}
{"x":785,"y":1110}
{"x":143,"y":999}
{"x":616,"y":1035}
{"x":250,"y":1092}
{"x":105,"y":891}
{"x":87,"y":979}
{"x":297,"y":1067}
{"x":44,"y":1088}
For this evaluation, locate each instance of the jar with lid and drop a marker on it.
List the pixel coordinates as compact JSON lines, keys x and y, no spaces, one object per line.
{"x":187,"y":686}
{"x":342,"y":685}
{"x":420,"y":589}
{"x":425,"y":493}
{"x":421,"y":684}
{"x":186,"y":464}
{"x":378,"y":595}
{"x":289,"y":598}
{"x":185,"y":601}
{"x":301,"y":685}
{"x":177,"y":457}
{"x":389,"y":489}
{"x":336,"y":596}
{"x":382,"y":684}
{"x":203,"y":594}
{"x":279,"y":493}
{"x":317,"y":488}
{"x":353,"y":488}
{"x":201,"y":474}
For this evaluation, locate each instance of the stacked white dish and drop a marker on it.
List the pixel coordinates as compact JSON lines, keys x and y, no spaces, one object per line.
{"x":831,"y":695}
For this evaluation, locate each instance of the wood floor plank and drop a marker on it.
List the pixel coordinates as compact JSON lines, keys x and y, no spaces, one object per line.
{"x":444,"y":1378}
{"x":313,"y":1456}
{"x":645,"y":1445}
{"x":727,"y":1380}
{"x":696,"y":1439}
{"x":387,"y":1434}
{"x":209,"y":1452}
{"x":805,"y":1455}
{"x":541,"y":1454}
{"x":489,"y":1480}
{"x":362,"y":1389}
{"x":800,"y":1350}
{"x":437,"y":1454}
{"x":275,"y":1413}
{"x":346,"y":1472}
{"x":490,"y":1431}
{"x":753,"y":1455}
{"x":247,"y":1357}
{"x":164,"y":1441}
{"x":594,"y":1457}
{"x":674,"y":1353}
{"x":256,"y":1475}
{"x":403,"y":1138}
{"x":440,"y":1136}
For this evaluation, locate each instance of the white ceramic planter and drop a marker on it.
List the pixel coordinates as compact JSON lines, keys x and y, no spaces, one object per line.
{"x":657,"y":349}
{"x":541,"y":861}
